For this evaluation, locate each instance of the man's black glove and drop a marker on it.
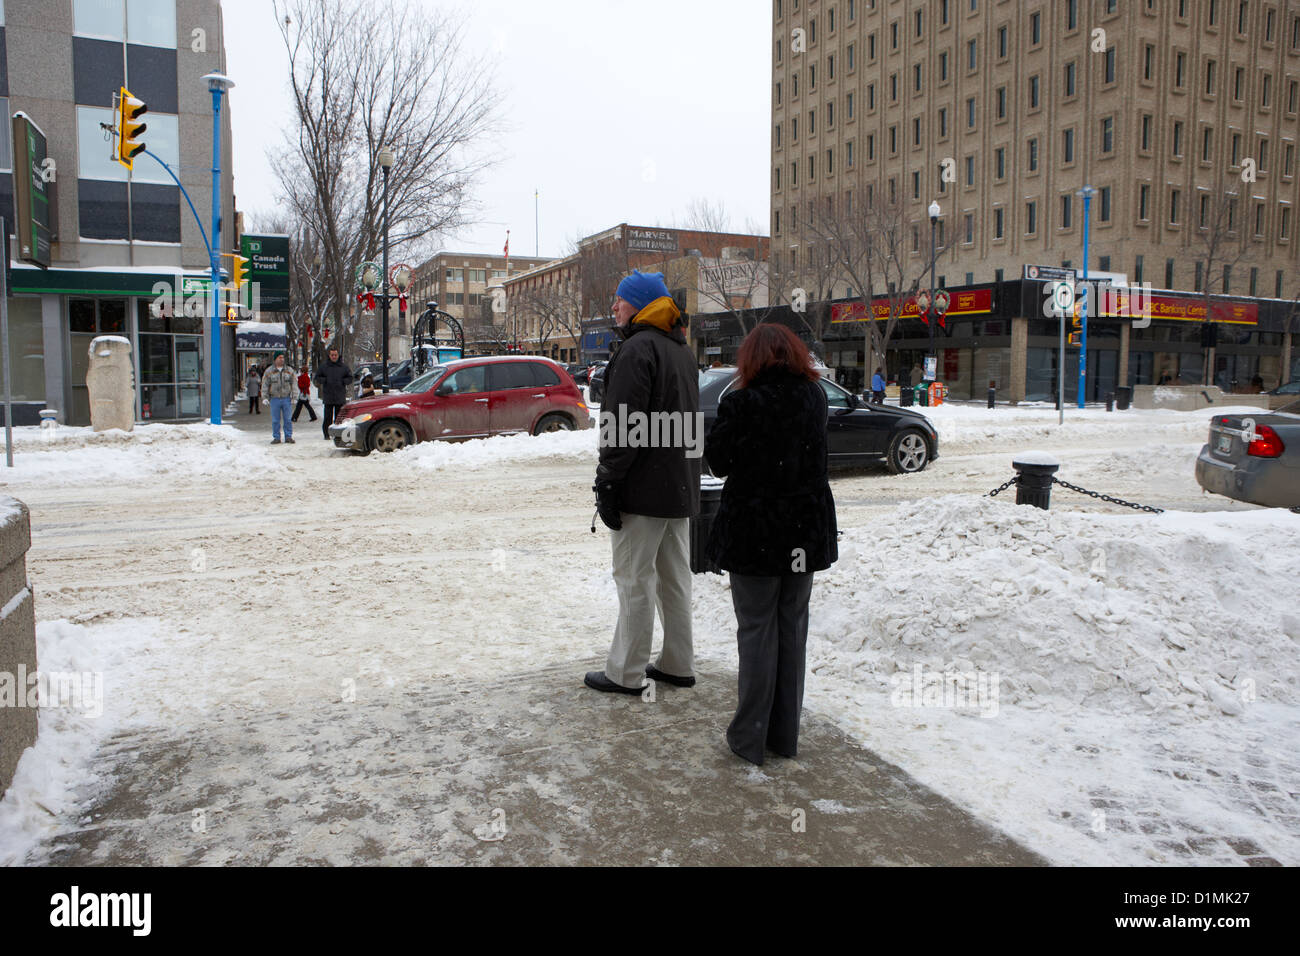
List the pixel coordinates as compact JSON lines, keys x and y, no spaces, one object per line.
{"x":607,"y":504}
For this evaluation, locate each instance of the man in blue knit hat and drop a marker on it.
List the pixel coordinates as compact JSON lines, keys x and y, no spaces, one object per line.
{"x":648,"y":485}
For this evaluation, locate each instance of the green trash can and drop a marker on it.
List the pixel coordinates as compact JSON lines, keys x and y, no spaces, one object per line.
{"x":923,"y":394}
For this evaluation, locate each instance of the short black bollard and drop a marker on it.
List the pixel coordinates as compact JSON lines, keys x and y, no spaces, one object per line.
{"x":1110,"y":401}
{"x":993,"y":392}
{"x":1034,"y":471}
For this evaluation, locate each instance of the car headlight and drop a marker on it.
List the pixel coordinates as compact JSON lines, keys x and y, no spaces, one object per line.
{"x":360,"y":418}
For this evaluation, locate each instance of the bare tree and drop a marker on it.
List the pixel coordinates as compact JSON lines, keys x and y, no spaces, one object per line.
{"x":1219,"y":244}
{"x":875,"y":248}
{"x":364,"y":77}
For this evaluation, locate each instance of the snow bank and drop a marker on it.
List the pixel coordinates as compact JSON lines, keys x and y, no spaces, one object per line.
{"x":55,"y":774}
{"x":575,"y":446}
{"x":1142,"y":669}
{"x":1125,"y":614}
{"x":79,"y":455}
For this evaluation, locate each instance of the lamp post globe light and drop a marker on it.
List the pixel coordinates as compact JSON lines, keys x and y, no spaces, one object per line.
{"x":934,"y":220}
{"x":385,"y":163}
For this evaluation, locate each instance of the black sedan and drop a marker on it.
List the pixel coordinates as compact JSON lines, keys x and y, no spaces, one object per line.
{"x":857,"y":433}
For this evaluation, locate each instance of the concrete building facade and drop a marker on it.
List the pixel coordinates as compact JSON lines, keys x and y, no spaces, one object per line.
{"x":1183,"y":116}
{"x":115,"y":235}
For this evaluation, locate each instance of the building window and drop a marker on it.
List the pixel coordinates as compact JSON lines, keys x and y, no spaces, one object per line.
{"x":141,"y":22}
{"x":943,"y":69}
{"x":1207,"y":143}
{"x":1146,"y":132}
{"x":1033,"y":92}
{"x":1065,"y":211}
{"x":1035,"y":29}
{"x":1108,"y":134}
{"x":1002,"y":102}
{"x":1031,"y":218}
{"x":970,"y":113}
{"x":1169,"y":273}
{"x":1071,"y":14}
{"x":1148,"y":61}
{"x":1180,"y":69}
{"x":1069,"y":78}
{"x":998,"y":217}
{"x":943,"y":123}
{"x":970,"y":228}
{"x":1177,"y":141}
{"x":1144,"y":202}
{"x":1067,"y":145}
{"x":1032,"y":148}
{"x":970,"y":170}
{"x":1104,"y":195}
{"x":1173,"y":207}
{"x":1000,"y":163}
{"x":1137,"y":270}
{"x":1108,"y":68}
{"x":971,"y":58}
{"x":1209,"y":77}
{"x":848,"y":104}
{"x":1002,"y":43}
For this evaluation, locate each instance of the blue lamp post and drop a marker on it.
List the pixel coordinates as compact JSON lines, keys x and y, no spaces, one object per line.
{"x":1086,"y":192}
{"x":218,"y":83}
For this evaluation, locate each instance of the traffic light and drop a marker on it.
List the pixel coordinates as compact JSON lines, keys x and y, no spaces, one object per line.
{"x":129,"y":129}
{"x":232,"y":315}
{"x":238,"y":271}
{"x":1075,"y":338}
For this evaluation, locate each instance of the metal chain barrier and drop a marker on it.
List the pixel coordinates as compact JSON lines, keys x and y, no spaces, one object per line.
{"x":1002,"y":487}
{"x":1114,"y":501}
{"x":1083,"y":491}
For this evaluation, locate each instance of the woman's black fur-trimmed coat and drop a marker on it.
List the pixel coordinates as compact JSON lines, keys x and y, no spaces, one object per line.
{"x":777,"y":515}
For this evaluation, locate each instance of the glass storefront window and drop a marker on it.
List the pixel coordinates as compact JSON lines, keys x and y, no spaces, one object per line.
{"x":26,"y":350}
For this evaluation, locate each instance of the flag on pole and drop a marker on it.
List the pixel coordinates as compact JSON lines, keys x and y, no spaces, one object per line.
{"x":507,"y":249}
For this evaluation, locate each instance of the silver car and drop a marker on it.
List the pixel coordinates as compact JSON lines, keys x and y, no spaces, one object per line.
{"x":1254,"y":458}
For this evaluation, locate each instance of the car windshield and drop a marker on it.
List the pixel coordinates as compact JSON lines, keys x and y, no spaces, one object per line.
{"x":425,"y":381}
{"x":1291,"y":409}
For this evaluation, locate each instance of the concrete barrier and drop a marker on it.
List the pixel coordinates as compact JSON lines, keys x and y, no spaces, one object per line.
{"x":17,"y":638}
{"x":110,"y":383}
{"x":1190,"y":398}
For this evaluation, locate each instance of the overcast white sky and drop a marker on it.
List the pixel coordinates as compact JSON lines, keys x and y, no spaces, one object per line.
{"x":617,"y":111}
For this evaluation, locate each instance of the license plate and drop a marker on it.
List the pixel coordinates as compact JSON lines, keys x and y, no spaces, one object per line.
{"x":1224,"y":444}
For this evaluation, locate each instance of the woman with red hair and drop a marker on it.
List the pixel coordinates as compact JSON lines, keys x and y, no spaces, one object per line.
{"x":775,"y":527}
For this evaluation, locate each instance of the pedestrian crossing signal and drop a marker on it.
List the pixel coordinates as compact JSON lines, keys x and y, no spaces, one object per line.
{"x":129,"y":129}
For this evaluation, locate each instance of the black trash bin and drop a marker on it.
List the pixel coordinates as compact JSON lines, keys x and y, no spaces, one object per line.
{"x":905,"y":396}
{"x":702,"y":524}
{"x":1123,"y":395}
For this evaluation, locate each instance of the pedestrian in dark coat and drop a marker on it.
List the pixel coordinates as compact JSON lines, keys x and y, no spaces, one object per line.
{"x":648,"y":485}
{"x":332,"y":380}
{"x":775,"y":526}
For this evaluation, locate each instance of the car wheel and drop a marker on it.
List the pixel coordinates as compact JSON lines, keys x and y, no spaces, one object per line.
{"x":390,"y":436}
{"x":908,"y":452}
{"x":553,"y":423}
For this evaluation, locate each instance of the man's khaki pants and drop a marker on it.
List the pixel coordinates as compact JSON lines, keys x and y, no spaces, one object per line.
{"x":652,"y":567}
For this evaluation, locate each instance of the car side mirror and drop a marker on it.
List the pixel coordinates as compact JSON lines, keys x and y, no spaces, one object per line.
{"x":443,"y":391}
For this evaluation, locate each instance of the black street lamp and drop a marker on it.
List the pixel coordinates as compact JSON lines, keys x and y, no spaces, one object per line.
{"x":385,"y":163}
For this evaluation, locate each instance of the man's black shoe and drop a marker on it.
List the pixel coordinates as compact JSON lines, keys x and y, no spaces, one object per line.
{"x":656,"y":674}
{"x":597,"y":680}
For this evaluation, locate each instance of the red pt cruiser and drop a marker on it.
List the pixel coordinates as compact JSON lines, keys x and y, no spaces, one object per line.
{"x":467,"y":398}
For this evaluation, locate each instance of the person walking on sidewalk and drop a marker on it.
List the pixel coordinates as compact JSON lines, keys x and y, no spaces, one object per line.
{"x":647,"y":495}
{"x":253,"y":385}
{"x":332,"y":380}
{"x":775,"y":526}
{"x":280,"y":384}
{"x":304,"y":395}
{"x":878,"y":386}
